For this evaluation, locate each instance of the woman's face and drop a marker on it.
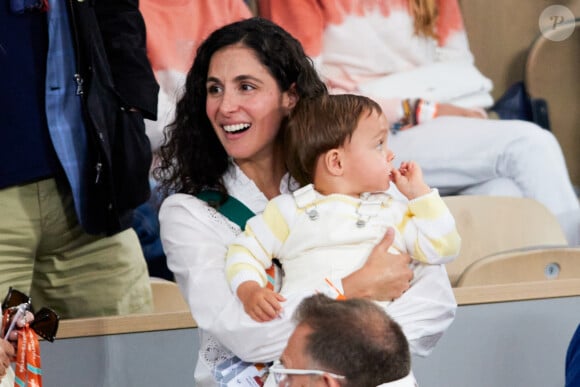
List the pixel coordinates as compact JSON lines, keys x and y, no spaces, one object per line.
{"x":244,"y":103}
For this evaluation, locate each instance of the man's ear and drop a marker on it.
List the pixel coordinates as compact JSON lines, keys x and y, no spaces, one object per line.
{"x":329,"y":381}
{"x":333,"y":162}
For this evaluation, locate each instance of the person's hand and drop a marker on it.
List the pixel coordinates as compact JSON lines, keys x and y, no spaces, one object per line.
{"x":383,"y":277}
{"x":261,"y":304}
{"x":8,"y":346}
{"x":13,"y":336}
{"x":445,"y":109}
{"x":7,"y":353}
{"x":409,"y":180}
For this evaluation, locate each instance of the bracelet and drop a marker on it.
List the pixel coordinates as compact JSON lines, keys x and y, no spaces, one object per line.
{"x":425,"y":111}
{"x":409,"y":116}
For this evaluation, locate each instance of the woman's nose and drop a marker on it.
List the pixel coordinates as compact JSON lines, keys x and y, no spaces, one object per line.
{"x":228,"y":102}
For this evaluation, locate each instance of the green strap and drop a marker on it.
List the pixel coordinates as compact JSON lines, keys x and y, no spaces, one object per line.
{"x":238,"y":213}
{"x":232,"y":208}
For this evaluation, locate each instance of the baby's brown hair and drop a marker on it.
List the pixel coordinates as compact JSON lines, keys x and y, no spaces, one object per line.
{"x":317,"y":125}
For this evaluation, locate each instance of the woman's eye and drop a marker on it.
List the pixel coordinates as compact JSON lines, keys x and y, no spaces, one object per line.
{"x":247,"y":87}
{"x":213,"y":89}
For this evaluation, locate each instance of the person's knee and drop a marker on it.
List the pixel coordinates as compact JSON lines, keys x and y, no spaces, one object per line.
{"x":533,"y":134}
{"x":501,"y":186}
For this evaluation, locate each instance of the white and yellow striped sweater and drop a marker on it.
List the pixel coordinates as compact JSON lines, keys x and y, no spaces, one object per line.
{"x":316,"y":236}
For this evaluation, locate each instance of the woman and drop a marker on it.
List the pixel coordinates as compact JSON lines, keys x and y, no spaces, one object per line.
{"x":245,"y":79}
{"x":358,"y":44}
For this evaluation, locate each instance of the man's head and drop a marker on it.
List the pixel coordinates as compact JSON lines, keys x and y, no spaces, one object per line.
{"x":354,"y":339}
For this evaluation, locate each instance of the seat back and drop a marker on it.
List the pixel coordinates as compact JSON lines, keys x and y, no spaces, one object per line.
{"x":167,"y":296}
{"x":551,"y":73}
{"x":523,"y":266}
{"x":492,"y":224}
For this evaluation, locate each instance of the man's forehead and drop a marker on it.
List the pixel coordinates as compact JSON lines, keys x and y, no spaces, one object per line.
{"x":294,"y":354}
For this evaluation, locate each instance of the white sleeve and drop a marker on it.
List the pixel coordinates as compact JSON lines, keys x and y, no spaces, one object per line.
{"x":195,"y":239}
{"x":426,"y":310}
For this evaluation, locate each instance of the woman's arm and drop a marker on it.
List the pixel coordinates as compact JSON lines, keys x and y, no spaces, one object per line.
{"x":384,"y":277}
{"x":195,"y":240}
{"x":426,"y":310}
{"x":452,"y":42}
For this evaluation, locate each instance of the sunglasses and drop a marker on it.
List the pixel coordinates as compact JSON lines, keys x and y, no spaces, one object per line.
{"x":46,"y":320}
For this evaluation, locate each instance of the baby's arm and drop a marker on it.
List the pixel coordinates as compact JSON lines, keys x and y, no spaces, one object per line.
{"x":260,"y":303}
{"x":250,"y":255}
{"x":409,"y":180}
{"x":428,"y":229}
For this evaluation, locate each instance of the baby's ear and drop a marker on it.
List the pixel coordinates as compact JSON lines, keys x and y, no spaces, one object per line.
{"x":333,"y":162}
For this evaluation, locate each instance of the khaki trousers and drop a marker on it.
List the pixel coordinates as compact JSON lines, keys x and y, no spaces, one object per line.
{"x":45,"y":253}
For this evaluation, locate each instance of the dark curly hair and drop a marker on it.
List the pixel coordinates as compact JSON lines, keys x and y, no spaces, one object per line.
{"x":192,"y":158}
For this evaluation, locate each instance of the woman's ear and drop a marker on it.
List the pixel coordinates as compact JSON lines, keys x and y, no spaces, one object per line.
{"x":291,"y":97}
{"x":333,"y":162}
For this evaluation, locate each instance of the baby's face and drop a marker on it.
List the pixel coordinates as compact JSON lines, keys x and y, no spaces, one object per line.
{"x":368,"y":157}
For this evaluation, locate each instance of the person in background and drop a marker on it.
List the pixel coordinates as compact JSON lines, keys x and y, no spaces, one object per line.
{"x":358,"y":44}
{"x":351,"y":343}
{"x":75,"y":163}
{"x":8,"y":348}
{"x":7,"y":353}
{"x":175,"y":29}
{"x":246,"y":78}
{"x":573,"y":360}
{"x":336,"y":148}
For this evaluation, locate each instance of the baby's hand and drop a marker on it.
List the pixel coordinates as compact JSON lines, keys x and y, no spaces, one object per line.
{"x":261,"y":304}
{"x":409,"y":180}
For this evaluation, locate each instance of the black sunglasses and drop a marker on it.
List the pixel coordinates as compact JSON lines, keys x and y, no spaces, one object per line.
{"x":46,"y":320}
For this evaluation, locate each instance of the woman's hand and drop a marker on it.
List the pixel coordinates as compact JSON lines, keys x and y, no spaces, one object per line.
{"x":445,"y":109}
{"x":384,"y":276}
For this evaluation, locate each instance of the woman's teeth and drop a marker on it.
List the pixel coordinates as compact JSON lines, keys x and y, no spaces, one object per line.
{"x":236,"y":127}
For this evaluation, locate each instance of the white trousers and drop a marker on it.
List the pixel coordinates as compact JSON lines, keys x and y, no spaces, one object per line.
{"x":473,"y":156}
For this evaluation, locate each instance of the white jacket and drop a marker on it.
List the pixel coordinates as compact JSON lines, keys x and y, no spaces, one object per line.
{"x":195,"y":239}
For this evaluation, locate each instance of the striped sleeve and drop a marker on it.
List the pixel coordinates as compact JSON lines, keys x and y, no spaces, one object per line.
{"x":252,"y":252}
{"x":429,"y":230}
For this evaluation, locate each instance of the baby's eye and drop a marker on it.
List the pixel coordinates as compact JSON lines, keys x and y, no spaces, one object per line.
{"x":380,"y":145}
